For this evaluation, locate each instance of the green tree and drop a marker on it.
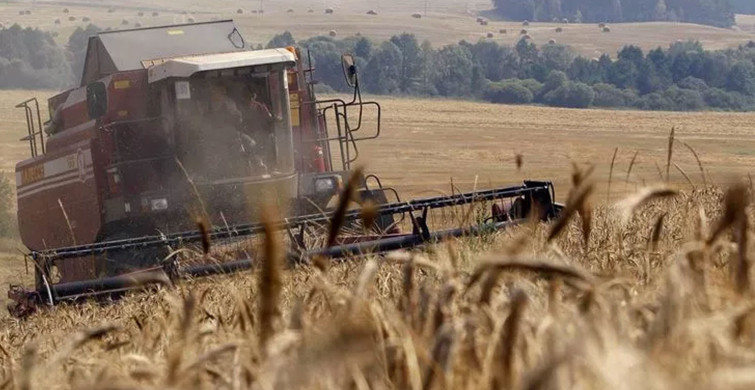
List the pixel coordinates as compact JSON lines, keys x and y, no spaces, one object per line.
{"x":382,"y":74}
{"x":411,"y":61}
{"x":281,"y":40}
{"x":454,"y":69}
{"x":508,"y":92}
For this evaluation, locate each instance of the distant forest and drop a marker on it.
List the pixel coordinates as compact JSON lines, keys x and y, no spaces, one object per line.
{"x":682,"y":77}
{"x":743,"y":6}
{"x":712,"y":12}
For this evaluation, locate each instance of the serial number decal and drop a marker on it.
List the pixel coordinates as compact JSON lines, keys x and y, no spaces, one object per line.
{"x":33,"y":174}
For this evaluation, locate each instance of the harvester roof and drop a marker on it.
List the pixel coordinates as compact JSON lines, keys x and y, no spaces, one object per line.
{"x":187,"y":66}
{"x":116,"y":51}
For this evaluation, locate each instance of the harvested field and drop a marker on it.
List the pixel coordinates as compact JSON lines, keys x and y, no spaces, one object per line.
{"x":446,"y":22}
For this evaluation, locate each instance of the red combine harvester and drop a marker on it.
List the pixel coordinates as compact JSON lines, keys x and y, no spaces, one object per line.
{"x":176,"y":124}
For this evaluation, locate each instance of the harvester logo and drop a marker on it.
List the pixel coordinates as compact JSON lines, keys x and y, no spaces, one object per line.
{"x":81,"y":165}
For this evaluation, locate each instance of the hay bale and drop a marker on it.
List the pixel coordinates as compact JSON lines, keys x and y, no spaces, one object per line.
{"x":606,"y":29}
{"x":332,"y":33}
{"x":372,"y":12}
{"x":190,"y":20}
{"x":490,"y":35}
{"x":479,"y":19}
{"x":484,"y":23}
{"x":28,"y":12}
{"x":137,"y":25}
{"x":503,"y":31}
{"x":254,"y":11}
{"x":155,"y":14}
{"x":21,"y":13}
{"x":523,"y":32}
{"x":239,"y":11}
{"x":185,"y":13}
{"x":140,"y":13}
{"x":66,"y":10}
{"x":57,"y":21}
{"x":124,"y":22}
{"x":108,"y":28}
{"x":329,"y":11}
{"x":601,"y":25}
{"x":86,"y":19}
{"x":559,"y":29}
{"x":551,"y":41}
{"x":310,"y":11}
{"x":262,"y":11}
{"x":526,"y":23}
{"x":358,"y":34}
{"x":417,"y":15}
{"x":71,"y":18}
{"x":290,"y":10}
{"x":110,"y":10}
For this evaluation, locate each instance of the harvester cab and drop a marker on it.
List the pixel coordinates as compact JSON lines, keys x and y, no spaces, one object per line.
{"x":179,"y":124}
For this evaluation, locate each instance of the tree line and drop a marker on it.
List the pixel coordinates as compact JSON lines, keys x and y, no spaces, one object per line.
{"x":30,"y":58}
{"x":711,"y":12}
{"x":681,"y":77}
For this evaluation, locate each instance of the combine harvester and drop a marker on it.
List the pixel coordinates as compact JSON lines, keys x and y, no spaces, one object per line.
{"x":176,"y":124}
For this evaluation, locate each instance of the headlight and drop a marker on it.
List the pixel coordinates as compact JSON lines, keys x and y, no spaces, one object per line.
{"x":326,"y":184}
{"x":158,"y":204}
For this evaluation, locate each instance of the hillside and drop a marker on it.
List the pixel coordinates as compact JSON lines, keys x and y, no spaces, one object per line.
{"x":446,"y":22}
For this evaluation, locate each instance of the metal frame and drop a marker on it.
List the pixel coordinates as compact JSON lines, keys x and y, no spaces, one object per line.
{"x":33,"y":129}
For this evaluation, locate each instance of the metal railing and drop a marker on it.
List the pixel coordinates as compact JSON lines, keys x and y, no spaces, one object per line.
{"x":33,"y":128}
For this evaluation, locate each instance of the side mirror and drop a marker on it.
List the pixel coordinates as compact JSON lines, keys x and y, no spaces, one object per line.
{"x":349,"y":69}
{"x":97,"y":99}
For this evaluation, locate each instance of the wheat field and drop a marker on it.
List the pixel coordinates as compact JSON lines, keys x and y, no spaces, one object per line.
{"x":645,"y":286}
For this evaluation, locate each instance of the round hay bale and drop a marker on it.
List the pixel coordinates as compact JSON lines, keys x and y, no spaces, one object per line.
{"x":526,"y":23}
{"x":239,"y":11}
{"x":86,"y":19}
{"x":21,"y":13}
{"x":601,"y":25}
{"x":185,"y":13}
{"x":140,"y":13}
{"x":71,"y":18}
{"x":332,"y":33}
{"x":358,"y":34}
{"x":110,"y":10}
{"x":502,"y":31}
{"x":484,"y":23}
{"x":66,"y":10}
{"x":606,"y":29}
{"x":290,"y":10}
{"x":57,"y":21}
{"x":124,"y":22}
{"x":523,"y":32}
{"x":479,"y":19}
{"x":28,"y":12}
{"x":137,"y":25}
{"x":155,"y":14}
{"x":559,"y":29}
{"x":262,"y":11}
{"x":329,"y":11}
{"x":108,"y":28}
{"x":190,"y":20}
{"x":565,"y":21}
{"x":372,"y":12}
{"x":490,"y":35}
{"x":254,"y":11}
{"x":417,"y":15}
{"x":551,"y":41}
